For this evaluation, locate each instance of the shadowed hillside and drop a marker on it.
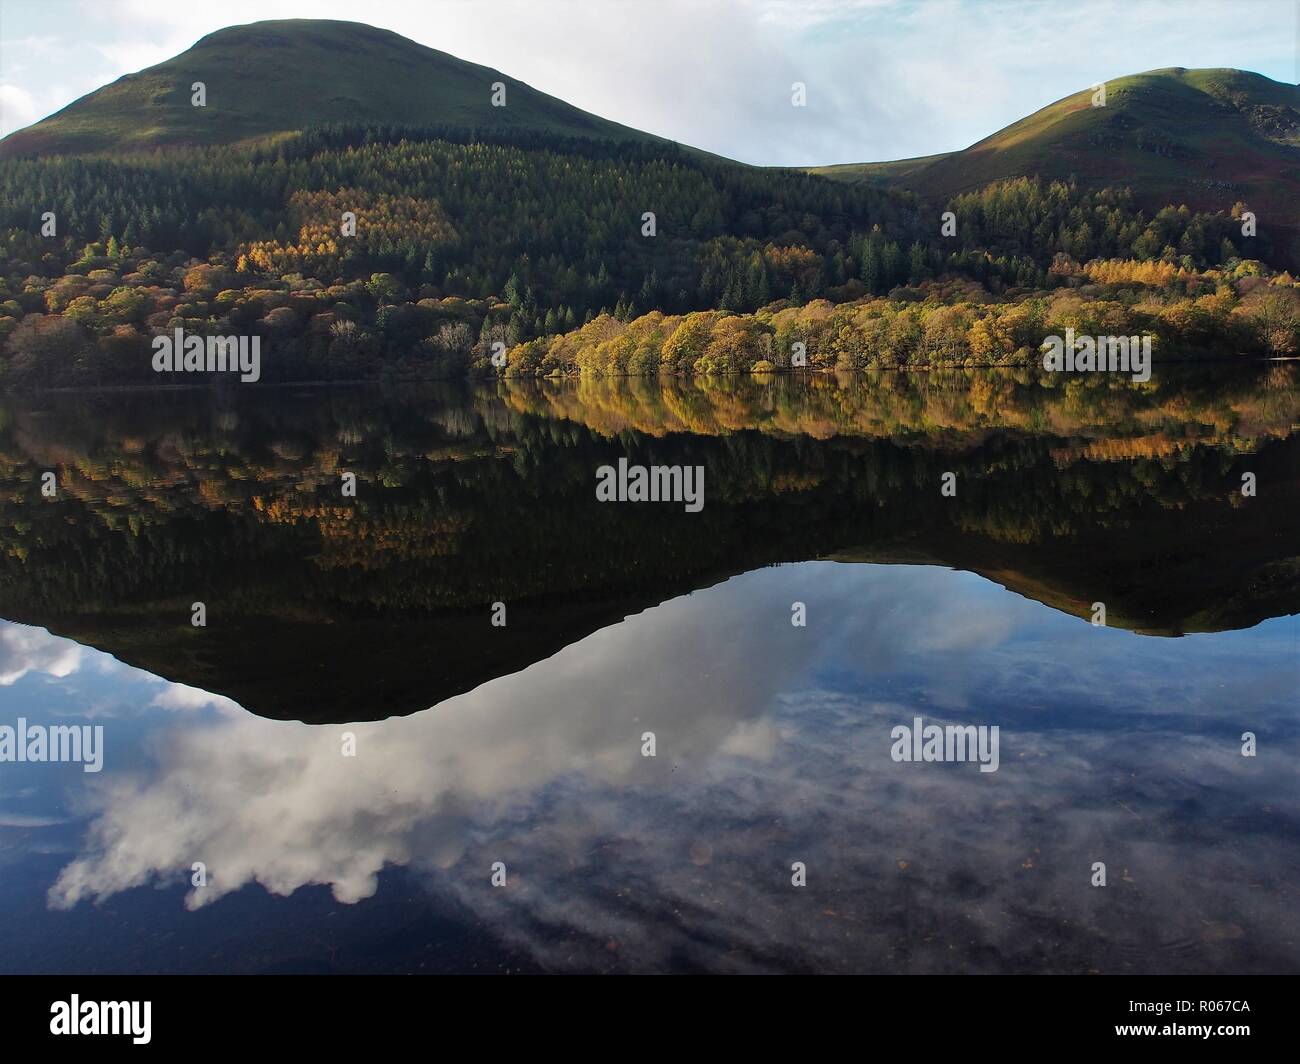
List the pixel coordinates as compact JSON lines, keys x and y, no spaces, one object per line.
{"x":1207,"y":138}
{"x":282,"y":76}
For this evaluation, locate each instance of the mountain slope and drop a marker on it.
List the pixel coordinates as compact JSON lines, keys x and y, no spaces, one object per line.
{"x":1202,"y":137}
{"x":280,"y":76}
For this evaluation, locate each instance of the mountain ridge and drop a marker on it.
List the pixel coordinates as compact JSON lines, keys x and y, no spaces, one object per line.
{"x":1205,"y":137}
{"x":254,"y":91}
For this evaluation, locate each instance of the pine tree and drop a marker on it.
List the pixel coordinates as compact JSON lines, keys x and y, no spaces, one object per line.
{"x":891,"y":266}
{"x":871,"y":267}
{"x":512,"y":293}
{"x":916,"y":268}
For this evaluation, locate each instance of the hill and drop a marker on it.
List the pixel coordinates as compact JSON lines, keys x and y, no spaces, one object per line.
{"x":1206,"y":138}
{"x":277,"y":77}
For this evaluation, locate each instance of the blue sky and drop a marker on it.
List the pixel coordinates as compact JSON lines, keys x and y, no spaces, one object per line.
{"x":886,"y":78}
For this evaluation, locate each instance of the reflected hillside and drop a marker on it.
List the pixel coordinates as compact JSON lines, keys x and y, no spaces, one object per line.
{"x":328,"y":608}
{"x":1183,"y":408}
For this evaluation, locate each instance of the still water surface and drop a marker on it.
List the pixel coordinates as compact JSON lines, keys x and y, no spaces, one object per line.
{"x":523,"y":745}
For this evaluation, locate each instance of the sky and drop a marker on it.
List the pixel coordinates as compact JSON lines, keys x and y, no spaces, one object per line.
{"x":886,"y":79}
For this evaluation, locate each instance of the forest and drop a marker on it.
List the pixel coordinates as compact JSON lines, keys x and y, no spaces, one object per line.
{"x":408,"y":253}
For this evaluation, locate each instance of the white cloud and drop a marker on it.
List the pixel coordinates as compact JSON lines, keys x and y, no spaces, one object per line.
{"x":25,"y":820}
{"x":886,"y":78}
{"x":759,"y":763}
{"x":17,"y":108}
{"x":179,"y":696}
{"x":25,"y":649}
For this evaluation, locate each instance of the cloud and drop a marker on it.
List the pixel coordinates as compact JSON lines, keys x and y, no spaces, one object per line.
{"x":886,"y":78}
{"x":23,"y":820}
{"x":179,"y":696}
{"x":17,"y":108}
{"x":25,"y":649}
{"x":772,"y":747}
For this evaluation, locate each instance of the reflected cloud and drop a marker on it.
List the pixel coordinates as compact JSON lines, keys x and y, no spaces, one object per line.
{"x":25,"y":649}
{"x":280,"y":805}
{"x":773,"y":746}
{"x":24,"y":820}
{"x":178,"y":696}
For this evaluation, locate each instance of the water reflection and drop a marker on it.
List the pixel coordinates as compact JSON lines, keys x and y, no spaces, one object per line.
{"x":381,"y":605}
{"x":772,"y":741}
{"x":773,"y":746}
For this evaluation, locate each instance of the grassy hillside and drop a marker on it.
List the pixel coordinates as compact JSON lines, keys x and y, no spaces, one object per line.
{"x":895,"y":172}
{"x":275,"y":77}
{"x":1206,"y":138}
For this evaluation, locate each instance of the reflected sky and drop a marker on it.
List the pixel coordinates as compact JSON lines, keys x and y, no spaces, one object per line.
{"x":773,"y":746}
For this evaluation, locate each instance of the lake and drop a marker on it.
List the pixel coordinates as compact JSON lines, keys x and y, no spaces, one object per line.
{"x":447,"y":710}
